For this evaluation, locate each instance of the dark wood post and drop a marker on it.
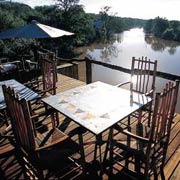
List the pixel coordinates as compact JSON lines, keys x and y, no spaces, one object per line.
{"x":88,"y":71}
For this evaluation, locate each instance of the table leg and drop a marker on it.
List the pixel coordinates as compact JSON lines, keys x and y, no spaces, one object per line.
{"x":111,"y":151}
{"x":98,"y":147}
{"x":128,"y":139}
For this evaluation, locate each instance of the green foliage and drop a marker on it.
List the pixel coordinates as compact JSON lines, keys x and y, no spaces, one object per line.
{"x":19,"y":10}
{"x":148,"y":26}
{"x":177,"y":36}
{"x":160,"y":27}
{"x":175,"y":25}
{"x":118,"y":24}
{"x":70,"y":16}
{"x":15,"y":47}
{"x":8,"y":21}
{"x":77,"y":21}
{"x":131,"y":23}
{"x":67,"y":4}
{"x":13,"y":15}
{"x":111,"y":24}
{"x":168,"y":34}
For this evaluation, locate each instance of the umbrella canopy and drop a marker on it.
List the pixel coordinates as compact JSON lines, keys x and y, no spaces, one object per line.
{"x":34,"y":30}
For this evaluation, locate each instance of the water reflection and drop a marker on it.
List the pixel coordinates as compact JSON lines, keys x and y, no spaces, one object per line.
{"x":128,"y":44}
{"x":109,"y":51}
{"x":160,"y":44}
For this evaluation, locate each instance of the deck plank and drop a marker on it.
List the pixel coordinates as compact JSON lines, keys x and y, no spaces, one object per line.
{"x":172,"y":167}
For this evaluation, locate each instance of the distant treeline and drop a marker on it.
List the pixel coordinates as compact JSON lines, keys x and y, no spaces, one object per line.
{"x":162,"y":28}
{"x":70,"y":15}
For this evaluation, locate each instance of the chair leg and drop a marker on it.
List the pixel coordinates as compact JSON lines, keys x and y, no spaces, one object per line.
{"x":137,"y":164}
{"x":155,"y":176}
{"x":162,"y":173}
{"x":149,"y":114}
{"x":57,"y":119}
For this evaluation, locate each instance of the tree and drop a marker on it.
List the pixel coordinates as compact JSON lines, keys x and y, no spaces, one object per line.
{"x":168,"y":34}
{"x":148,"y":26}
{"x":66,"y":4}
{"x":160,"y":25}
{"x":177,"y":36}
{"x":8,"y":20}
{"x":106,"y":19}
{"x":175,"y":25}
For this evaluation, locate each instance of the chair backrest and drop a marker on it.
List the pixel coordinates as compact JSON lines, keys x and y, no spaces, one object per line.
{"x":20,"y":119}
{"x":49,"y":72}
{"x":143,"y":75}
{"x":164,"y":109}
{"x":163,"y":114}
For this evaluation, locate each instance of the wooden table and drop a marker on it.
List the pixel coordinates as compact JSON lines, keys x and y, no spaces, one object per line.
{"x":97,"y":106}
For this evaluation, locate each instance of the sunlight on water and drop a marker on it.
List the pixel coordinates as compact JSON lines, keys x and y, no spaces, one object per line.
{"x":134,"y":36}
{"x":134,"y":43}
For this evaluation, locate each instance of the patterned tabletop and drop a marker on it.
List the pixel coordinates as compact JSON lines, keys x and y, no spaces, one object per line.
{"x":97,"y":106}
{"x":23,"y":91}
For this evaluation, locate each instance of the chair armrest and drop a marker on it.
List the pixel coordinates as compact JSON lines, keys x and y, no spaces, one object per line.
{"x":17,"y":63}
{"x":5,"y":132}
{"x":34,"y":116}
{"x":140,"y":138}
{"x":13,"y":62}
{"x":127,"y":133}
{"x":6,"y":136}
{"x":31,"y":62}
{"x":122,"y":84}
{"x":149,"y":93}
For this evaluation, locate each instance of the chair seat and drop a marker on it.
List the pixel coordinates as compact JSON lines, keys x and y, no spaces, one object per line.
{"x":58,"y":160}
{"x":52,"y":137}
{"x":6,"y":146}
{"x":6,"y":149}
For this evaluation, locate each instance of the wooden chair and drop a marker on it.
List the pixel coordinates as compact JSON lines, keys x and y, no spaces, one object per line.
{"x":10,"y":69}
{"x":41,"y":153}
{"x":143,"y":77}
{"x":49,"y":72}
{"x":148,"y":151}
{"x":47,"y":82}
{"x":45,"y":85}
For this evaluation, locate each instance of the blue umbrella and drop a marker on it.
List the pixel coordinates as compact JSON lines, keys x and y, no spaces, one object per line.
{"x":34,"y":30}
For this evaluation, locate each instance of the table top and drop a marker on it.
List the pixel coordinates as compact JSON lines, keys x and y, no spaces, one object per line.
{"x":23,"y":91}
{"x":97,"y":106}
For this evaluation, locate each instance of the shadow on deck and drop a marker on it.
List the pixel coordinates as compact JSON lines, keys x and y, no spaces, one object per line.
{"x":11,"y":169}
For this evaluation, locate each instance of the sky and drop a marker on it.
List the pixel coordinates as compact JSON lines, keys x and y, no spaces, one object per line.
{"x":144,"y":9}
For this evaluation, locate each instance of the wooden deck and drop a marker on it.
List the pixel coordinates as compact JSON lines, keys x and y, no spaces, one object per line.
{"x":10,"y":169}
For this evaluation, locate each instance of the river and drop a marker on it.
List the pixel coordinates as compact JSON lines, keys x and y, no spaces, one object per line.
{"x":133,"y":43}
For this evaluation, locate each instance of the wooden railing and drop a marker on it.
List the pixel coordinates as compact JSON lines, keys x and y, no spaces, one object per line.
{"x":89,"y":62}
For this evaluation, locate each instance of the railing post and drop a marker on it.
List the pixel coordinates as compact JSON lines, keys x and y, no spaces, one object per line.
{"x":88,"y":71}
